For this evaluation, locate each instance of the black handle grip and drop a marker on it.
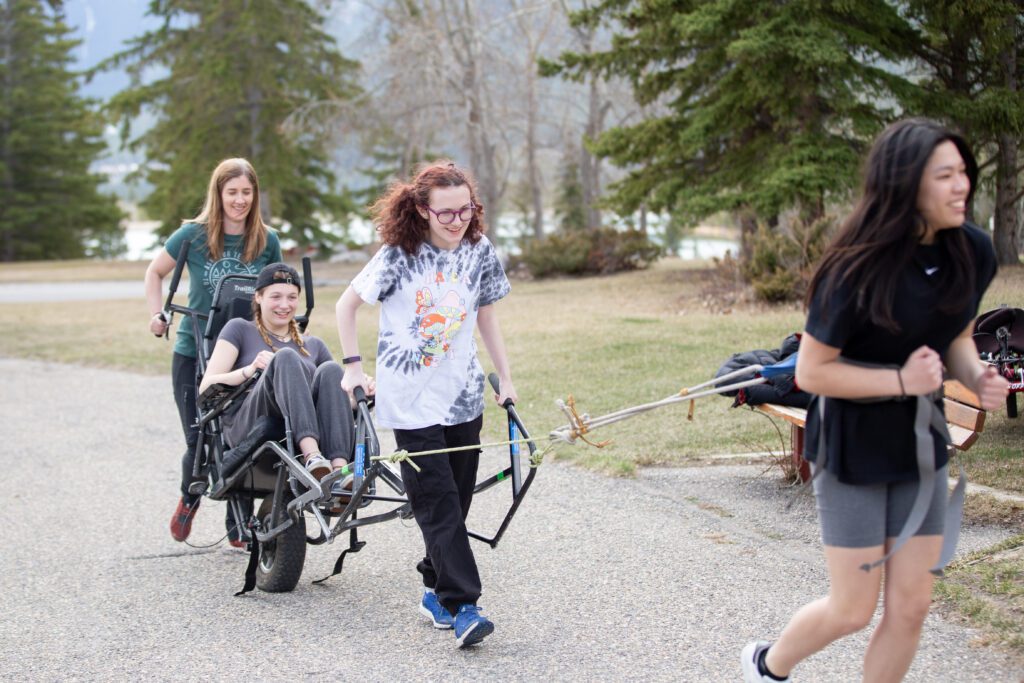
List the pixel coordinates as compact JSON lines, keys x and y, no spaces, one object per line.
{"x":359,"y":394}
{"x":307,"y":282}
{"x":179,"y":265}
{"x":496,"y":385}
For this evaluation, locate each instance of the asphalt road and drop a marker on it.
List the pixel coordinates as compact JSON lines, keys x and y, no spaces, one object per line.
{"x":660,"y":578}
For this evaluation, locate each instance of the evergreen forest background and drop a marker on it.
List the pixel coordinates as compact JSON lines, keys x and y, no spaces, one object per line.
{"x":591,"y":126}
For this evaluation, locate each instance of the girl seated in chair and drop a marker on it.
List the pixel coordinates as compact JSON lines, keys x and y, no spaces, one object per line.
{"x":300,"y":380}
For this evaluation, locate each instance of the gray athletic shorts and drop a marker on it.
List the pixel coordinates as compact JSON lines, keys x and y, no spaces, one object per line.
{"x":863,"y":516}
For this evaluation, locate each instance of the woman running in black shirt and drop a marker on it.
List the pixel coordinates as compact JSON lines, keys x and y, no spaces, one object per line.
{"x":892,"y":301}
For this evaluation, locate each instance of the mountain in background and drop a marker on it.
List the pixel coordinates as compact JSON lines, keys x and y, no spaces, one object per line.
{"x":106,"y":26}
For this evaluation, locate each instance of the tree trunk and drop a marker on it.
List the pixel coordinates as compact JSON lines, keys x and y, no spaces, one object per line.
{"x":1006,"y":235}
{"x":748,"y":227}
{"x":482,"y":151}
{"x":254,"y":103}
{"x":590,"y":166}
{"x":533,"y":172}
{"x":7,"y":234}
{"x":959,"y":82}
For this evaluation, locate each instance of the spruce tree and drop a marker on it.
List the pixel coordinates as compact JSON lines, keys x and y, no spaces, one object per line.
{"x":233,"y":72}
{"x":570,"y":207}
{"x":758,"y":107}
{"x":50,"y":206}
{"x":972,"y":79}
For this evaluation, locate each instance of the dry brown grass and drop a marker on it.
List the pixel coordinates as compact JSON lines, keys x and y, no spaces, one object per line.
{"x":83,"y":270}
{"x":986,"y":589}
{"x":611,"y":342}
{"x":986,"y":510}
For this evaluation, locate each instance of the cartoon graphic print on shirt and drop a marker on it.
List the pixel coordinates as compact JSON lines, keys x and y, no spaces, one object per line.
{"x":438,"y":324}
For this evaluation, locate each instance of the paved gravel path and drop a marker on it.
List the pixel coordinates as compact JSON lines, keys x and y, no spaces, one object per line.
{"x":660,"y":578}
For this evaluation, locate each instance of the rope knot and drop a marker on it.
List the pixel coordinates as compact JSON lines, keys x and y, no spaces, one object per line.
{"x":537,"y":457}
{"x":579,"y":425}
{"x":403,"y":456}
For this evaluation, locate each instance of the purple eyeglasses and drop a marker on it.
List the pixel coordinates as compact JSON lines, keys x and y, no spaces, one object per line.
{"x":447,"y":216}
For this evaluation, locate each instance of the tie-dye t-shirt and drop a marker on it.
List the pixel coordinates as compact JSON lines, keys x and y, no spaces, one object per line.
{"x":427,"y":367}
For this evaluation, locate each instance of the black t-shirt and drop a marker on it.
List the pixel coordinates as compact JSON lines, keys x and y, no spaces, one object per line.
{"x":874,"y":442}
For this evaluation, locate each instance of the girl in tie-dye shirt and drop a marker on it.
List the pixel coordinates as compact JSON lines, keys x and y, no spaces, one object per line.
{"x":437,"y":278}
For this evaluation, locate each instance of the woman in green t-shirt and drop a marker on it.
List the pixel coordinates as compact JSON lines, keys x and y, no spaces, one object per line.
{"x":228,"y":236}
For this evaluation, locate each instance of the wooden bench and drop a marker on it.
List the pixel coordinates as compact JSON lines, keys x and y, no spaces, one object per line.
{"x":964,"y":418}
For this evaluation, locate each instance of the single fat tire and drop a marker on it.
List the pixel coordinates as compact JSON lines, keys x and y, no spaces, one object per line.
{"x":281,"y":559}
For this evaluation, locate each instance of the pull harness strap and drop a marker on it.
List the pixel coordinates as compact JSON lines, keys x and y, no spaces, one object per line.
{"x":927,"y":416}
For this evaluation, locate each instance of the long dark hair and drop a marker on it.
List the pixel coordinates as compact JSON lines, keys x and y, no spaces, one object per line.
{"x":397,"y":212}
{"x":878,"y":239}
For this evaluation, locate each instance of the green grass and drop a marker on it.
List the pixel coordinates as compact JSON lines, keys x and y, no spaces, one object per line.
{"x":610,"y":342}
{"x":987,"y":589}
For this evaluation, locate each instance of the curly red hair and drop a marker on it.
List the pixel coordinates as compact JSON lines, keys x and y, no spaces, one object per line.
{"x":396,"y":214}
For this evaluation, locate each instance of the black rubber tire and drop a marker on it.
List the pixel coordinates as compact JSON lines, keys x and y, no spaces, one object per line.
{"x":281,"y":559}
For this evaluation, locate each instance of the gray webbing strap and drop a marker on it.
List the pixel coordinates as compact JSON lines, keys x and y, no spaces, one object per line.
{"x":927,"y":416}
{"x":951,"y":532}
{"x":924,"y":419}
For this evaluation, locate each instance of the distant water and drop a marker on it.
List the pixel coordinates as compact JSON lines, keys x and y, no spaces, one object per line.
{"x":140,"y":241}
{"x":697,"y":248}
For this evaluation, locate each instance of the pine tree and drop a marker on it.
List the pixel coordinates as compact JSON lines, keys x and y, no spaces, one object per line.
{"x":234,"y":71}
{"x":570,"y":207}
{"x":972,"y":74}
{"x":50,"y":206}
{"x":760,"y":107}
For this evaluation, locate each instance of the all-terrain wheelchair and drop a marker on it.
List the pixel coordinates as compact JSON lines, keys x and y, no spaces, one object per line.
{"x":264,"y":466}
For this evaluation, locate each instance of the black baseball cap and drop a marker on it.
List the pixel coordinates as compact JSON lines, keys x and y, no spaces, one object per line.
{"x":278,"y":274}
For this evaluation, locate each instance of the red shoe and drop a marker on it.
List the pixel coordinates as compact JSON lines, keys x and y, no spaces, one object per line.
{"x":237,"y":543}
{"x":181,"y":522}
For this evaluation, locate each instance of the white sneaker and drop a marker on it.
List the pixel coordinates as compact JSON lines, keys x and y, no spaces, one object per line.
{"x":748,"y":658}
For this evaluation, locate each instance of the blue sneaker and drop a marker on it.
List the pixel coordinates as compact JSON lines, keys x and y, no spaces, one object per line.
{"x":470,"y":626}
{"x":432,"y":609}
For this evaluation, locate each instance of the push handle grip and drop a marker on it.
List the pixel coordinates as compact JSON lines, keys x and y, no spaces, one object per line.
{"x":179,"y":265}
{"x":493,"y":379}
{"x":307,"y":282}
{"x":359,"y":394}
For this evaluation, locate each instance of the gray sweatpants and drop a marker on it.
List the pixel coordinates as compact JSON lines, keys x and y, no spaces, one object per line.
{"x":319,"y":409}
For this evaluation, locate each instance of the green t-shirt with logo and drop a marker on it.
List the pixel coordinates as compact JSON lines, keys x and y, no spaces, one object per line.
{"x":204,"y":274}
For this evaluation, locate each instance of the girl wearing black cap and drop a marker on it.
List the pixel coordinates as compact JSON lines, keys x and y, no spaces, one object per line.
{"x":892,"y":301}
{"x":300,"y":379}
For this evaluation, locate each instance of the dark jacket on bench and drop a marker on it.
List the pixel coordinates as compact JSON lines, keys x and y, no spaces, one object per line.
{"x":781,"y":390}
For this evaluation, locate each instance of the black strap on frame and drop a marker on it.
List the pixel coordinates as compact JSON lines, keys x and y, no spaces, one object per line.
{"x":354,"y":545}
{"x":254,"y":560}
